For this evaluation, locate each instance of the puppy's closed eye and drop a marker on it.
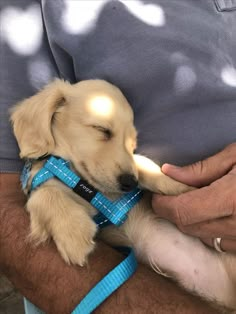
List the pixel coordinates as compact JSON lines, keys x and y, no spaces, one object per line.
{"x":107,"y":133}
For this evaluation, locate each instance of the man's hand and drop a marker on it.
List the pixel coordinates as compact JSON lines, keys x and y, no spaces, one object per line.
{"x":210,"y":211}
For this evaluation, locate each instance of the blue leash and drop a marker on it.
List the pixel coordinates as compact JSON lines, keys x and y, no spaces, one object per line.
{"x":110,"y":212}
{"x":111,"y":282}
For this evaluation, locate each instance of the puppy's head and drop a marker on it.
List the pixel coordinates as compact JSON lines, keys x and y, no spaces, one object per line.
{"x":89,"y":123}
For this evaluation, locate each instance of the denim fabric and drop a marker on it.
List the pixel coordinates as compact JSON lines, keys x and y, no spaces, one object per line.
{"x":31,"y":308}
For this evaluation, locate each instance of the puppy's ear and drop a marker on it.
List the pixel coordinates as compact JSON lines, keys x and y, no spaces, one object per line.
{"x":32,"y":120}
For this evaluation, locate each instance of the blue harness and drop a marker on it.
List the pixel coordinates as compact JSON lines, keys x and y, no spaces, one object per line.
{"x":109,"y":212}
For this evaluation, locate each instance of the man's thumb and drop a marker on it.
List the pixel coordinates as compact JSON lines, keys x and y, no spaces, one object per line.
{"x":204,"y":172}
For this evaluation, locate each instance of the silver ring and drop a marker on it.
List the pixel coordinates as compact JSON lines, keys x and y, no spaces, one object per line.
{"x":217,"y":246}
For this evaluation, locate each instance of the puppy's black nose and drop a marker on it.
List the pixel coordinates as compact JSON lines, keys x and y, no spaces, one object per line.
{"x":127,"y":182}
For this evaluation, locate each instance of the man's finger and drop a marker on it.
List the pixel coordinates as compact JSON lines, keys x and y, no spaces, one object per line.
{"x":204,"y":172}
{"x":227,"y":245}
{"x":193,"y":207}
{"x":218,"y":228}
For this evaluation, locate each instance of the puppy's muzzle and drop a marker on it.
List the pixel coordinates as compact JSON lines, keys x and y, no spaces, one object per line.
{"x":127,"y":182}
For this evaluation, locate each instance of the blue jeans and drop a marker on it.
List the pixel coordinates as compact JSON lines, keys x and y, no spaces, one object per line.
{"x":30,"y":308}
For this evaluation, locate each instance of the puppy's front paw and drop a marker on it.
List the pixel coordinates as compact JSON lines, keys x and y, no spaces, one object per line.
{"x":175,"y":188}
{"x":168,"y":186}
{"x":74,"y":239}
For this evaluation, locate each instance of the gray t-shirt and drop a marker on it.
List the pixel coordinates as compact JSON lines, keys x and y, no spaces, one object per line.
{"x":175,"y":61}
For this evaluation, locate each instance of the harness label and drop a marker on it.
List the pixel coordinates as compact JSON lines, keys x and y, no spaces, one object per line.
{"x":85,"y":190}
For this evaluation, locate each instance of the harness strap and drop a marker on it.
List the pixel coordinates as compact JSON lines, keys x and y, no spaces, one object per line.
{"x":55,"y":167}
{"x":114,"y":212}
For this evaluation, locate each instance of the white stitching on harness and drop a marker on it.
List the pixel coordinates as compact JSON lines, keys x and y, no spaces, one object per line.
{"x":107,"y":209}
{"x":130,"y":200}
{"x":118,"y":208}
{"x":66,"y":175}
{"x":102,"y":222}
{"x":43,"y":174}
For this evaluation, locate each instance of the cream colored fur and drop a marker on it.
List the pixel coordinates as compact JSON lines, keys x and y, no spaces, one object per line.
{"x":91,"y":125}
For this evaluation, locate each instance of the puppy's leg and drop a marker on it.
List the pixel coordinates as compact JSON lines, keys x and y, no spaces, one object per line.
{"x":183,"y":258}
{"x":153,"y":179}
{"x":54,"y":214}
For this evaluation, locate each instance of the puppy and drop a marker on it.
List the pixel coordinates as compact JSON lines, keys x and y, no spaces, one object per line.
{"x":90,"y":124}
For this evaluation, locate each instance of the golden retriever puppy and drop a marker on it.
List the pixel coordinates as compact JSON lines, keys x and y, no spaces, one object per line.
{"x":90,"y":124}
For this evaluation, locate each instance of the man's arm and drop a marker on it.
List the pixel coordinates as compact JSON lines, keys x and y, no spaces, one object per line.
{"x":42,"y":276}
